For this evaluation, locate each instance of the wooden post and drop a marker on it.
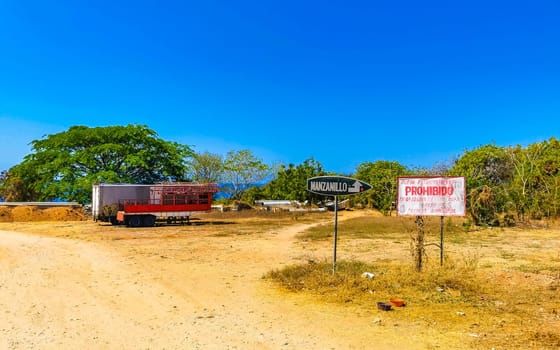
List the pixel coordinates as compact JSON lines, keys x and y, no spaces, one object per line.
{"x":441,"y":241}
{"x":419,"y":243}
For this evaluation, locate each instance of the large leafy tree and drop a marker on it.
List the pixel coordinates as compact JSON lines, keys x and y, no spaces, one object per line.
{"x":382,"y":176}
{"x":488,"y":171}
{"x":64,"y":165}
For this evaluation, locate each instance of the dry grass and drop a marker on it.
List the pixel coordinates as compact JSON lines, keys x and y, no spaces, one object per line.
{"x":380,"y":227}
{"x":499,"y":287}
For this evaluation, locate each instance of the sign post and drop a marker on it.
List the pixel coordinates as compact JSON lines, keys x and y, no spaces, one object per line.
{"x":441,"y":241}
{"x":335,"y":238}
{"x":336,"y":186}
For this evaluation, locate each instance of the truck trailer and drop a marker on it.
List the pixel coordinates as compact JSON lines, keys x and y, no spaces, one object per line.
{"x":138,"y":205}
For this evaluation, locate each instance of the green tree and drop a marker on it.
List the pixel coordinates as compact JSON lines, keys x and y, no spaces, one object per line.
{"x":64,"y":165}
{"x":487,"y":165}
{"x":438,"y":169}
{"x":291,"y":182}
{"x":206,"y":167}
{"x":253,"y":193}
{"x":482,"y":205}
{"x":488,"y":172}
{"x":13,"y":189}
{"x":3,"y":179}
{"x":242,"y":170}
{"x":549,"y":178}
{"x":382,"y":176}
{"x":534,"y":187}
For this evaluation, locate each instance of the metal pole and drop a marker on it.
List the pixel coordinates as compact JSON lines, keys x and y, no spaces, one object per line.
{"x":441,"y":241}
{"x":335,"y":231}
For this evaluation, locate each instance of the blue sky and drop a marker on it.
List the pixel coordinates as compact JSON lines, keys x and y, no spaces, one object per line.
{"x":344,"y":82}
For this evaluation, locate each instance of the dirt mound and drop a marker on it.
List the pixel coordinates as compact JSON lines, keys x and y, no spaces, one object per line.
{"x":5,"y":214}
{"x":64,"y":214}
{"x":27,"y":213}
{"x":32,"y":213}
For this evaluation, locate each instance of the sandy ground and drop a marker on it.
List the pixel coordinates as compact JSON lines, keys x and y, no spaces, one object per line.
{"x":197,"y":293}
{"x":68,"y":285}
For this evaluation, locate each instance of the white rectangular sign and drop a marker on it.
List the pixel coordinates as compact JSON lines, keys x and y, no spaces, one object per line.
{"x":431,"y":196}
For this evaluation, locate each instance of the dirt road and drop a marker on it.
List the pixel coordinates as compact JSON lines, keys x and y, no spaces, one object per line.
{"x":201,"y":293}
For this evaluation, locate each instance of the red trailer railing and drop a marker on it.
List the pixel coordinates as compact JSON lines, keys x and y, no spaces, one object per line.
{"x":168,"y":200}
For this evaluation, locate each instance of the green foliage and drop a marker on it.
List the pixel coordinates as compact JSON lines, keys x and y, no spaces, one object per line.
{"x":535,"y":186}
{"x":206,"y":167}
{"x":291,"y":182}
{"x":504,"y":184}
{"x":485,"y":166}
{"x":252,"y":194}
{"x":241,"y":171}
{"x":482,"y":205}
{"x":522,"y":181}
{"x":488,"y":171}
{"x":3,"y":178}
{"x":12,"y":188}
{"x":548,"y":178}
{"x":64,"y":165}
{"x":382,"y":176}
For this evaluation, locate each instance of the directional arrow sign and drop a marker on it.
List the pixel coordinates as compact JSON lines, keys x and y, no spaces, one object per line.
{"x":336,"y":185}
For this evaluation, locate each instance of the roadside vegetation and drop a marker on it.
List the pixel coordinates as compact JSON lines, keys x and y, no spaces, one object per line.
{"x":491,"y":290}
{"x":505,"y":186}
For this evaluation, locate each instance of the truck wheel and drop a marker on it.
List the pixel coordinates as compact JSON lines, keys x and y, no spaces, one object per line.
{"x":135,"y":221}
{"x":148,"y":220}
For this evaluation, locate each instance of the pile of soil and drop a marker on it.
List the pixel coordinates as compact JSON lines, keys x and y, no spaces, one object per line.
{"x":5,"y":214}
{"x":32,"y":213}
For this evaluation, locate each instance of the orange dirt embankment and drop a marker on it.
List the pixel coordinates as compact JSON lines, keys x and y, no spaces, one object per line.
{"x":32,"y":213}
